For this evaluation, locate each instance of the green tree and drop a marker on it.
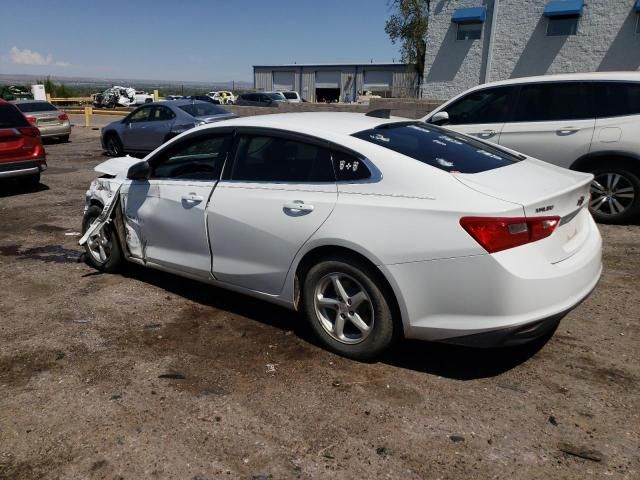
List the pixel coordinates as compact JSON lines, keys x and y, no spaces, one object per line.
{"x":408,"y":26}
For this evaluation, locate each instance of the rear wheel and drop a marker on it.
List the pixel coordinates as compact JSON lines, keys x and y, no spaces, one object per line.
{"x":345,"y":303}
{"x":102,"y":249}
{"x":113,"y":145}
{"x":615,"y":195}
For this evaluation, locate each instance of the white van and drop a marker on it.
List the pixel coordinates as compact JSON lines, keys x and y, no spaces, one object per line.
{"x":588,"y":122}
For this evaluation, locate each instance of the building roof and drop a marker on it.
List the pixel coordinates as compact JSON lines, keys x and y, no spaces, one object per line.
{"x":345,"y":64}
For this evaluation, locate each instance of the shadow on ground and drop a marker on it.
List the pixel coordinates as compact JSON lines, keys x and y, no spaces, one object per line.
{"x":449,"y":361}
{"x":11,"y":187}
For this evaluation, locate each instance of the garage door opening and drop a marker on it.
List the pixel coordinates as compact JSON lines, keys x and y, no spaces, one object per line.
{"x":327,"y":95}
{"x":327,"y":86}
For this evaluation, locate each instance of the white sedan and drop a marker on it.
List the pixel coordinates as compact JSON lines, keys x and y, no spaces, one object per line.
{"x":374,"y":228}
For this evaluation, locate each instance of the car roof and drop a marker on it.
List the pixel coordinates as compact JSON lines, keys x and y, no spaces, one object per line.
{"x":312,"y":123}
{"x":177,"y":103}
{"x":589,"y":76}
{"x":29,"y":101}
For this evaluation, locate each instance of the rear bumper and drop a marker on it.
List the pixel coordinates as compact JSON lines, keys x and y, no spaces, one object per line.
{"x":55,"y":130}
{"x":19,"y":169}
{"x":498,"y":299}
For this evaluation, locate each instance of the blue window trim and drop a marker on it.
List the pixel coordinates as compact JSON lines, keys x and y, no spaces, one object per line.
{"x":564,"y":8}
{"x":469,"y":15}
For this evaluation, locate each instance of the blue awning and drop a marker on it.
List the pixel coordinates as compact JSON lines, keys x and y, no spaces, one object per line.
{"x":469,"y":15}
{"x":637,"y":5}
{"x":564,"y":8}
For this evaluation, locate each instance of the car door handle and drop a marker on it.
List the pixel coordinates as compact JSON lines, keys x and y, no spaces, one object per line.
{"x":192,"y":198}
{"x":298,"y":205}
{"x":567,"y":130}
{"x":487,"y":133}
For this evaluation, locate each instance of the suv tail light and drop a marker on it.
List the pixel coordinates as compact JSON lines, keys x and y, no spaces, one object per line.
{"x":63,"y":116}
{"x":32,"y":120}
{"x":495,"y":234}
{"x":29,"y":131}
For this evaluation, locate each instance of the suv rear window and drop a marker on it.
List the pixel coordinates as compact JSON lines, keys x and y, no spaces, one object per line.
{"x":438,"y":147}
{"x":10,"y":117}
{"x":35,"y":107}
{"x":615,"y":99}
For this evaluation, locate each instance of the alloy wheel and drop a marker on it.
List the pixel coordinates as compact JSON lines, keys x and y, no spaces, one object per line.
{"x":100,"y":245}
{"x":343,"y":308}
{"x":611,"y":194}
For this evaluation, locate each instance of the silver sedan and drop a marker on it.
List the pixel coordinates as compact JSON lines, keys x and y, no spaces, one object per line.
{"x":51,"y":122}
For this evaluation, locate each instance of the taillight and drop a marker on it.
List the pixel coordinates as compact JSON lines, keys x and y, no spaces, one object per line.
{"x":29,"y":131}
{"x":63,"y":117}
{"x":495,"y":234}
{"x":32,"y":120}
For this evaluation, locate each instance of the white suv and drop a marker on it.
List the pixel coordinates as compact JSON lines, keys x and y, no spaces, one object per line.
{"x":588,"y":122}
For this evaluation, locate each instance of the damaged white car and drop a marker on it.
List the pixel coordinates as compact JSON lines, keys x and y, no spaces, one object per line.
{"x":376,"y":228}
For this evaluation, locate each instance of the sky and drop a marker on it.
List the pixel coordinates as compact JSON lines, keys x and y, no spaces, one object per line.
{"x":188,"y":40}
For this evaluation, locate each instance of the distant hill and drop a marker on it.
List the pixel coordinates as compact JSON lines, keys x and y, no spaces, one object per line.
{"x":141,"y":84}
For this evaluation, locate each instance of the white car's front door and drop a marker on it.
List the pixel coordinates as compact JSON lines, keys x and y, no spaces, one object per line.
{"x":275,"y":195}
{"x":171,"y":217}
{"x":553,"y":122}
{"x":480,"y":113}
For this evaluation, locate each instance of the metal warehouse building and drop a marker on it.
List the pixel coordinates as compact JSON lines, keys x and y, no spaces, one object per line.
{"x":476,"y":41}
{"x":338,"y":82}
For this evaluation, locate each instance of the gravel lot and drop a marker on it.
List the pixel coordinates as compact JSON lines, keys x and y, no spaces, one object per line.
{"x":147,"y":375}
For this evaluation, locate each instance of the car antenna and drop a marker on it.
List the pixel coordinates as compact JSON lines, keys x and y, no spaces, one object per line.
{"x":379,"y":113}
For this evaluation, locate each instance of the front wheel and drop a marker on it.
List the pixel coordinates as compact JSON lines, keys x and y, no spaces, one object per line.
{"x":347,"y":307}
{"x":615,"y":195}
{"x":113,"y":145}
{"x":102,"y":249}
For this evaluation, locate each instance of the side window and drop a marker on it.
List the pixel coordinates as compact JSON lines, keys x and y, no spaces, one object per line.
{"x":546,"y":102}
{"x":562,"y":26}
{"x":349,"y":168}
{"x":141,"y":115}
{"x":272,"y":159}
{"x":199,"y":158}
{"x":469,"y":31}
{"x":161,"y":114}
{"x":615,"y":99}
{"x":491,"y":105}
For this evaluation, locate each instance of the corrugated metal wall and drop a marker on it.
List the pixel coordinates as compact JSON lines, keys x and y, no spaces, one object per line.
{"x":403,"y":79}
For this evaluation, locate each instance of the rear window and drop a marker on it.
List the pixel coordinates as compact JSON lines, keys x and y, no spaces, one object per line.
{"x":202,"y":109}
{"x":35,"y":107}
{"x":290,"y":95}
{"x":10,"y":117}
{"x":615,"y":99}
{"x":438,"y":147}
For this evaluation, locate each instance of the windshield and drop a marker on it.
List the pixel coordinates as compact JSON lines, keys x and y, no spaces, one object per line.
{"x":36,"y":107}
{"x":203,"y":109}
{"x":438,"y":147}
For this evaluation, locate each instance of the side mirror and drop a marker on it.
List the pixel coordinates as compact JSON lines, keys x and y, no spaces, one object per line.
{"x":139,"y":171}
{"x":440,"y":118}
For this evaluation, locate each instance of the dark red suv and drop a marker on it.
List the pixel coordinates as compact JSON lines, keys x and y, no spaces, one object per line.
{"x":21,"y":151}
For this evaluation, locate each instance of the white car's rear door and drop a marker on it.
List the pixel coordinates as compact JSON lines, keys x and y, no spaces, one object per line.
{"x":276,"y":193}
{"x":553,"y":121}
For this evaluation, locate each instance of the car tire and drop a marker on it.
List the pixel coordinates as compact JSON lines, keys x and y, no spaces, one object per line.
{"x":325,"y":306}
{"x":615,"y":195}
{"x":113,"y":145}
{"x":112,"y":260}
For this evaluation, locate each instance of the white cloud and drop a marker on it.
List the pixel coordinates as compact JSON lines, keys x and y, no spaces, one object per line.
{"x":29,"y":57}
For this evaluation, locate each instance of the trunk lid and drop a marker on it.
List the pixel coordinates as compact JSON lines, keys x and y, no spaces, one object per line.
{"x":44,"y":119}
{"x":543,"y":190}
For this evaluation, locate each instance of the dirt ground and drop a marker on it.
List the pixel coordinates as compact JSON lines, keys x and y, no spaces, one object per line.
{"x":149,"y":376}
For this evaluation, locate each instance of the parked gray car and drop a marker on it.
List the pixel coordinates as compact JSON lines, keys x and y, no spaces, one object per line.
{"x":51,"y":122}
{"x":149,"y":126}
